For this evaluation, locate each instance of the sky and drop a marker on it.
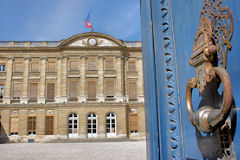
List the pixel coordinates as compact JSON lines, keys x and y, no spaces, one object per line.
{"x":54,"y":20}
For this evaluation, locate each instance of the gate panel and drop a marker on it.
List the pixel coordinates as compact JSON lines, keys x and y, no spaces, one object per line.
{"x":168,"y":33}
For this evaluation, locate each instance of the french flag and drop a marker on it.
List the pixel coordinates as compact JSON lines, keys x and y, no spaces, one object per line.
{"x":87,"y":22}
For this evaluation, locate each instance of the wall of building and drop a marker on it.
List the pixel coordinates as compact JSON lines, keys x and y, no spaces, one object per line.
{"x":71,"y":76}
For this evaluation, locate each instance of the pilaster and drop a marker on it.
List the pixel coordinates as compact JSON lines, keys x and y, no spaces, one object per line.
{"x":64,"y":79}
{"x":7,"y":92}
{"x":41,"y":98}
{"x":101,"y":126}
{"x":82,"y":88}
{"x":24,"y":98}
{"x":5,"y":122}
{"x":119,"y":79}
{"x":59,"y":80}
{"x":100,"y":88}
{"x":140,"y":94}
{"x":23,"y":119}
{"x":40,"y":122}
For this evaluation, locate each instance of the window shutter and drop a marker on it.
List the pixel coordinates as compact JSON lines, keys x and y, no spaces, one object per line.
{"x":92,"y":89}
{"x":17,"y":88}
{"x":92,"y":64}
{"x":73,"y":65}
{"x":32,"y":125}
{"x":132,"y":90}
{"x":131,"y":66}
{"x":51,"y":66}
{"x":50,"y":90}
{"x":33,"y":90}
{"x":109,"y":64}
{"x":109,"y":88}
{"x":14,"y":125}
{"x":133,"y":122}
{"x":49,"y":125}
{"x":73,"y":89}
{"x":18,"y":67}
{"x":35,"y":66}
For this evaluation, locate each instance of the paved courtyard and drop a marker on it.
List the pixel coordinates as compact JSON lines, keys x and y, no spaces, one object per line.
{"x":130,"y":150}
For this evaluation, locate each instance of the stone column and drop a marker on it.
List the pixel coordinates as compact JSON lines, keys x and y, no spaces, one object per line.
{"x":41,"y":97}
{"x":7,"y":90}
{"x":119,"y":80}
{"x":40,"y":120}
{"x":82,"y":88}
{"x":64,"y":79}
{"x":24,"y":98}
{"x":140,"y":90}
{"x":59,"y":78}
{"x":100,"y":86}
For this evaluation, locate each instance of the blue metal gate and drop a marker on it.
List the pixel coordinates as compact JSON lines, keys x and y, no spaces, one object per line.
{"x":168,"y":33}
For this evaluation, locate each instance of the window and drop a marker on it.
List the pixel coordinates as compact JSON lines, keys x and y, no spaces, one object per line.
{"x":111,"y":124}
{"x":73,"y":125}
{"x":132,"y":90}
{"x":133,"y":118}
{"x":109,"y":64}
{"x":18,"y":67}
{"x":32,"y":125}
{"x":131,"y":65}
{"x":17,"y":90}
{"x":49,"y":125}
{"x":51,"y":66}
{"x":92,"y":64}
{"x":92,"y":89}
{"x":2,"y":67}
{"x":92,"y":125}
{"x":73,"y":65}
{"x":50,"y":90}
{"x":72,"y":90}
{"x":35,"y":66}
{"x":1,"y":91}
{"x":109,"y":88}
{"x":33,"y":91}
{"x":14,"y":126}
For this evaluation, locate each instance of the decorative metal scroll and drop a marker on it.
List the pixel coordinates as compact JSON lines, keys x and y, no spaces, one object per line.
{"x":222,"y":26}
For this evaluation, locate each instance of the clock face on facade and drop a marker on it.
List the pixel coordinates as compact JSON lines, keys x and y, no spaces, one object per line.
{"x":92,"y":42}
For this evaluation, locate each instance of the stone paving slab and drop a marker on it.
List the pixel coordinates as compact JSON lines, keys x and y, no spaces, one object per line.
{"x":132,"y":150}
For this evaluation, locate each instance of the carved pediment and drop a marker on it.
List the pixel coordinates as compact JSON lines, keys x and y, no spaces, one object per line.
{"x":91,"y":39}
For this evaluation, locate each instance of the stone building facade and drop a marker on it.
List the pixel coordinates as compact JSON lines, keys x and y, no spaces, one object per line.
{"x":87,"y":86}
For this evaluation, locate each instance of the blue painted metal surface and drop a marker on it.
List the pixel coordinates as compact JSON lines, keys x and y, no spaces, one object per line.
{"x":168,"y":33}
{"x":152,"y":119}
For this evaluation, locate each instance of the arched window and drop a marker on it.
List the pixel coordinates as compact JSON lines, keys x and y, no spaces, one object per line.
{"x":73,"y":125}
{"x":92,"y":125}
{"x":111,"y":125}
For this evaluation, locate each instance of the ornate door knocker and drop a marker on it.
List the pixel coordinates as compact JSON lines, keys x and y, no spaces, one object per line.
{"x":209,"y":58}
